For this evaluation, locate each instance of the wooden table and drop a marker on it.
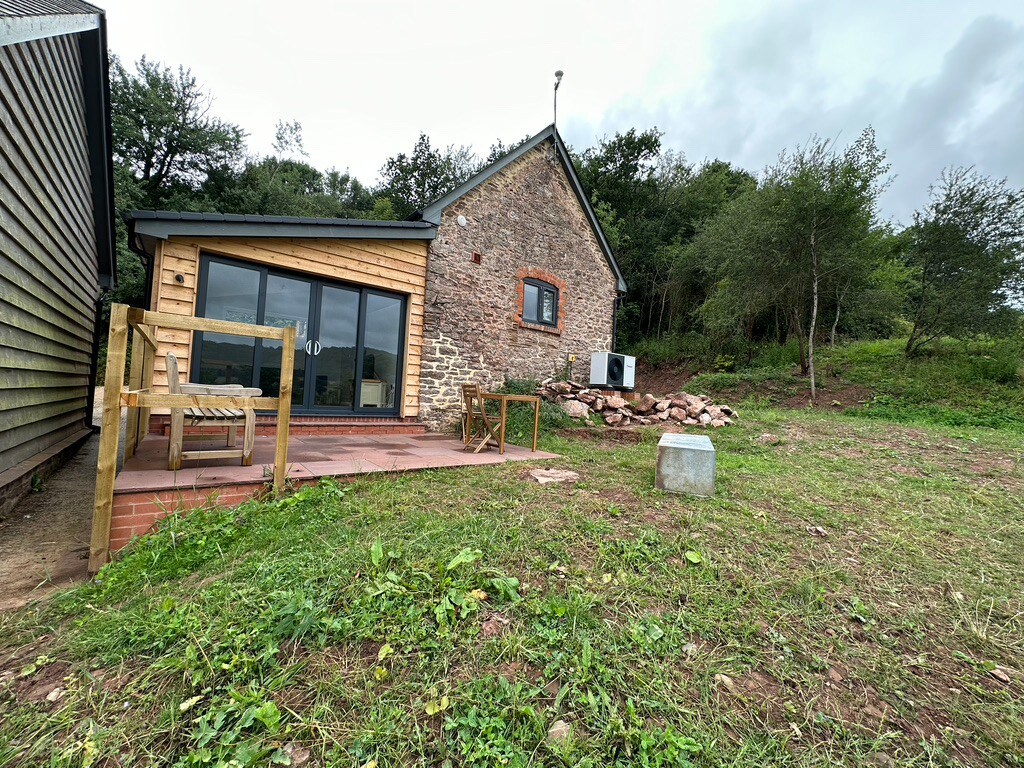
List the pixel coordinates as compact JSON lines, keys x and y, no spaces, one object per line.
{"x":505,"y":400}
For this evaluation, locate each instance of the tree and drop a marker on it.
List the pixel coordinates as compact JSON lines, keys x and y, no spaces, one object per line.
{"x":698,"y":197}
{"x":621,"y":175}
{"x":166,"y":149}
{"x":499,"y":149}
{"x":164,"y":134}
{"x":413,"y":181}
{"x":802,"y":236}
{"x":965,"y":255}
{"x":285,"y":184}
{"x":655,"y":201}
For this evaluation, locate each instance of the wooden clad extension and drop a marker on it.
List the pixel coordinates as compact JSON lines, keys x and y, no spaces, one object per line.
{"x":48,"y":249}
{"x":399,"y":266}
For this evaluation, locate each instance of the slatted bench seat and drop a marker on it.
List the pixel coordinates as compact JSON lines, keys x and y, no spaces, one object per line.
{"x":231,"y":418}
{"x":214,"y":414}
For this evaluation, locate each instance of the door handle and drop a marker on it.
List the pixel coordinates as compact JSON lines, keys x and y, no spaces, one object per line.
{"x":309,"y":347}
{"x":316,"y":348}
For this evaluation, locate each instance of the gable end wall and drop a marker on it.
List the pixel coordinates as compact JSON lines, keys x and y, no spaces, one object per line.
{"x":523,"y":221}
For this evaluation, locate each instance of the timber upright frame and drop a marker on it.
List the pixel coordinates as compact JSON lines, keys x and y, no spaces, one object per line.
{"x":139,"y":399}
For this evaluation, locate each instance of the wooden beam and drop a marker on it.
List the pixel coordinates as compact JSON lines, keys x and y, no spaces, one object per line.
{"x":143,"y":399}
{"x":213,"y":453}
{"x":183,"y":323}
{"x":131,"y":434}
{"x":106,"y":466}
{"x":284,"y":408}
{"x":148,"y":333}
{"x":149,"y":360}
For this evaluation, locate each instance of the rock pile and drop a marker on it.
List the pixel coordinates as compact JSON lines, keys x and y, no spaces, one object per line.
{"x":579,"y":402}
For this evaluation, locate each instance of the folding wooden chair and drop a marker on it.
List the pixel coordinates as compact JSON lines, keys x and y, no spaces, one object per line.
{"x":477,"y":426}
{"x":232,"y":418}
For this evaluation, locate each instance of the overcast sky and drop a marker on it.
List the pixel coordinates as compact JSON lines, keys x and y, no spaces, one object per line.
{"x":941,"y":82}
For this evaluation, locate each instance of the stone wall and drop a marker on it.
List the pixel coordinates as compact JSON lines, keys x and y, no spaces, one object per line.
{"x":523,"y":222}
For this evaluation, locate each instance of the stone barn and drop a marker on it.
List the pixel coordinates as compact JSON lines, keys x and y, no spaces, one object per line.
{"x":521,"y":282}
{"x":507,"y":277}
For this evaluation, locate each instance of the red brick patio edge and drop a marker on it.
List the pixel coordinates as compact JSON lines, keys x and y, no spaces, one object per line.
{"x":137,"y":513}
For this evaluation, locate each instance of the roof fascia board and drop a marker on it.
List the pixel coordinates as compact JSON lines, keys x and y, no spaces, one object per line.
{"x":21,"y":29}
{"x":162,"y":229}
{"x":96,"y":91}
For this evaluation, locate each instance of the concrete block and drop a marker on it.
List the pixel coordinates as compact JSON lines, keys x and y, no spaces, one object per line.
{"x":686,"y":464}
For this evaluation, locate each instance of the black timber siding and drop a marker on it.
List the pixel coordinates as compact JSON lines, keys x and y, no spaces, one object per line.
{"x":48,"y":251}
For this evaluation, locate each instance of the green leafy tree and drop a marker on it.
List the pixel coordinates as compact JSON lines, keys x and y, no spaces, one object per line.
{"x":164,"y":134}
{"x":697,"y":198}
{"x":621,"y":175}
{"x":284,"y":184}
{"x":166,"y":148}
{"x":655,"y":201}
{"x":805,"y":234}
{"x":499,"y":149}
{"x":965,"y":254}
{"x":412,"y":181}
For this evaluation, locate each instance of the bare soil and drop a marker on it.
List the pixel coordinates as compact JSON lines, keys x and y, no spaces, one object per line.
{"x":663,"y":379}
{"x":44,"y":542}
{"x":834,"y":393}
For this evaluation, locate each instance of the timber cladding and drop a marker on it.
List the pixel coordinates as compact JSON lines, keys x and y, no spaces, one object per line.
{"x":49,"y":282}
{"x":399,"y":266}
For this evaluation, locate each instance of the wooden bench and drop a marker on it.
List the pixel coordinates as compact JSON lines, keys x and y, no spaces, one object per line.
{"x":232,"y":418}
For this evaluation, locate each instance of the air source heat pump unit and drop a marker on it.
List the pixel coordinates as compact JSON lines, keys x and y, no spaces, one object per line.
{"x":612,"y":371}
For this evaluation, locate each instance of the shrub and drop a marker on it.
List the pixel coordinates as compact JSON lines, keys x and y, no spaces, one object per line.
{"x":777,"y":356}
{"x":689,"y":347}
{"x":1000,"y":364}
{"x":519,"y":387}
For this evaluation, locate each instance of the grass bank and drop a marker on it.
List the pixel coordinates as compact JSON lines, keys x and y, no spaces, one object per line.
{"x":959,"y":384}
{"x":851,"y":596}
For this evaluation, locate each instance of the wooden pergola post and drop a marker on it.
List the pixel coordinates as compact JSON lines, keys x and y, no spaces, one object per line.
{"x":110,"y":432}
{"x":284,"y":408}
{"x":140,"y":399}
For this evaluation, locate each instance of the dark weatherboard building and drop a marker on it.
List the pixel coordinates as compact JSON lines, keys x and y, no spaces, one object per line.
{"x":56,"y":230}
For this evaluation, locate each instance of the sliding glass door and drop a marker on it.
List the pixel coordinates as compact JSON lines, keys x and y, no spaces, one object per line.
{"x":287,"y":301}
{"x":350,"y":340}
{"x":381,"y":358}
{"x":335,"y":362}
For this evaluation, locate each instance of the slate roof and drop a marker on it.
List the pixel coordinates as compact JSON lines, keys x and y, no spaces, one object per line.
{"x":47,"y":8}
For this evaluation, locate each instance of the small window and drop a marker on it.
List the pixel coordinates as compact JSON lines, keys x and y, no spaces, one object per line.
{"x":540,"y":303}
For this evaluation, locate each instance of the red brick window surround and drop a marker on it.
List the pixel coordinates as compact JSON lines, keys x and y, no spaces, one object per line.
{"x":542,"y":276}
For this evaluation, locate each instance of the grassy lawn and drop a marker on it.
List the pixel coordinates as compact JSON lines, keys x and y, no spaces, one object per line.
{"x":852,"y":596}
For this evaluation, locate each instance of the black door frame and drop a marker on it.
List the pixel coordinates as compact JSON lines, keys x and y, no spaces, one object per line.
{"x":313,"y":324}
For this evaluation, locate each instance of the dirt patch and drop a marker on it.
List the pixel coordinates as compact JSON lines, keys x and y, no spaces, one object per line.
{"x":495,"y":625}
{"x":617,"y":496}
{"x":519,"y":670}
{"x":849,"y":700}
{"x":46,"y":684}
{"x":44,"y":542}
{"x":663,"y":379}
{"x":834,"y":393}
{"x":906,"y":471}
